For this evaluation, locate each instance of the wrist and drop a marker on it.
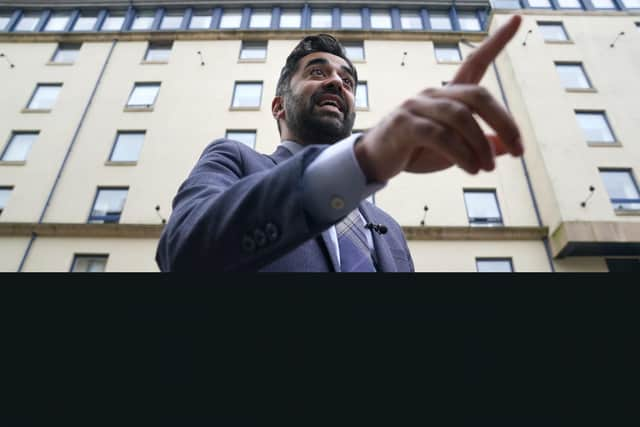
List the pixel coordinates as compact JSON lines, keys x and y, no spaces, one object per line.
{"x":364,"y":160}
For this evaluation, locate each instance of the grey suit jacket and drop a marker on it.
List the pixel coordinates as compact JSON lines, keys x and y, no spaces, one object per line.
{"x":239,"y":210}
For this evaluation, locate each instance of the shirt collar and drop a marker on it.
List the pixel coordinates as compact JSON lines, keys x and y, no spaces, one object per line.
{"x":292,"y":146}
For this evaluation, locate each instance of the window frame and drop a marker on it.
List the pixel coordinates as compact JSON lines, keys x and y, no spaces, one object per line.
{"x":110,"y":159}
{"x":364,"y":83}
{"x":288,"y":10}
{"x":108,"y":216}
{"x":487,"y":221}
{"x":155,"y":44}
{"x":495,"y":259}
{"x":7,"y":145}
{"x":171,"y":13}
{"x":36,"y":16}
{"x":614,"y":142}
{"x":252,"y":131}
{"x":254,"y":10}
{"x":320,"y":9}
{"x":557,"y":23}
{"x":55,"y":14}
{"x":359,"y":44}
{"x":613,"y":201}
{"x":143,"y":107}
{"x":411,"y":11}
{"x":378,"y":10}
{"x":87,"y":255}
{"x":437,"y":45}
{"x":589,"y":88}
{"x":244,"y":43}
{"x":222,"y":16}
{"x":64,"y":46}
{"x":35,"y":91}
{"x":113,"y":14}
{"x":354,"y":11}
{"x":236,"y":83}
{"x":9,"y":189}
{"x":207,"y":13}
{"x":438,"y":13}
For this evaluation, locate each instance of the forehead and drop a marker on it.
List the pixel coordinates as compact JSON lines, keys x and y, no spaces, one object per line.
{"x":334,"y":60}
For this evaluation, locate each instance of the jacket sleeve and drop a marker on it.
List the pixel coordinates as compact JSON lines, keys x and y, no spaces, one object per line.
{"x":225,"y":220}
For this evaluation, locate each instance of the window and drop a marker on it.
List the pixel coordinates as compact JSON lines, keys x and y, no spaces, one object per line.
{"x":506,"y":4}
{"x":540,"y":3}
{"x":622,"y":188}
{"x":469,"y":21}
{"x":253,"y":50}
{"x":350,"y":18}
{"x":85,"y":23}
{"x":603,"y":4}
{"x":5,"y":192}
{"x":482,"y":208}
{"x":200,"y":20}
{"x":108,"y":205}
{"x":260,"y":18}
{"x":127,"y":146}
{"x":381,"y":20}
{"x":113,"y":22}
{"x":66,"y":53}
{"x":494,"y":265}
{"x":4,"y":22}
{"x":28,"y":22}
{"x":362,"y":95}
{"x":171,"y":21}
{"x":572,"y":76}
{"x":247,"y":137}
{"x":595,"y":126}
{"x":57,"y":22}
{"x":570,"y":4}
{"x":321,"y":18}
{"x":44,"y":96}
{"x":631,"y":4}
{"x":447,"y":53}
{"x":290,"y":18}
{"x":440,"y":20}
{"x":143,"y":21}
{"x":143,"y":95}
{"x":231,"y":18}
{"x":158,"y":52}
{"x":18,"y":147}
{"x":553,"y":31}
{"x":354,"y":50}
{"x":247,"y":95}
{"x":410,"y":20}
{"x":89,"y":263}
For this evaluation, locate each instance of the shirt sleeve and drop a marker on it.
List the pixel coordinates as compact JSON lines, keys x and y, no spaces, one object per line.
{"x":334,"y":184}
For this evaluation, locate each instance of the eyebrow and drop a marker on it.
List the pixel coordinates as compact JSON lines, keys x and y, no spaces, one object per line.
{"x":324,"y":61}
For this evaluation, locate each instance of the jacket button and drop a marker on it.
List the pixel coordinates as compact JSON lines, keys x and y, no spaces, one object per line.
{"x":272,"y":231}
{"x":259,"y":237}
{"x":248,"y":244}
{"x":337,"y":203}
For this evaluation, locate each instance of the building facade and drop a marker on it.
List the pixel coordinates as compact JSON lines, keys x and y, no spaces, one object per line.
{"x":107,"y":105}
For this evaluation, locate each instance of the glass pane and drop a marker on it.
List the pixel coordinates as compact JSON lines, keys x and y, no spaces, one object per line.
{"x":66,"y":54}
{"x":247,"y":95}
{"x":158,"y":52}
{"x":200,"y":22}
{"x":142,"y":21}
{"x":481,"y":204}
{"x":127,"y":147}
{"x":494,"y":266}
{"x":260,"y":18}
{"x":231,"y":19}
{"x":569,"y":4}
{"x":362,"y":97}
{"x":572,"y":76}
{"x":321,"y":18}
{"x":44,"y":97}
{"x":595,"y":127}
{"x":256,"y":50}
{"x":603,"y":4}
{"x":4,"y":21}
{"x":113,"y":23}
{"x":410,"y":21}
{"x":4,"y":196}
{"x":171,"y":21}
{"x":447,"y":54}
{"x":554,"y":32}
{"x":246,"y":137}
{"x":631,"y":4}
{"x":28,"y":22}
{"x":506,"y":4}
{"x":620,"y":185}
{"x":109,"y":202}
{"x":381,"y":20}
{"x":440,"y":21}
{"x":57,"y":22}
{"x":355,"y":51}
{"x":469,"y":22}
{"x":539,"y":3}
{"x":19,"y":146}
{"x":290,"y":19}
{"x":85,"y":23}
{"x":351,"y":19}
{"x":89,"y":264}
{"x":143,"y":95}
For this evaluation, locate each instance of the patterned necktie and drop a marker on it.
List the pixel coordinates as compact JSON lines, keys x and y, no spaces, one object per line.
{"x":355,"y":255}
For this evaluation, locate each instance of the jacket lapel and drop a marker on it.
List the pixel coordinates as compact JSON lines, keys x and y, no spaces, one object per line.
{"x":282,"y":154}
{"x":385,"y":259}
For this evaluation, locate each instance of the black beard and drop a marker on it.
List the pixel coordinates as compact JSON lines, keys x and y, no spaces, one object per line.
{"x":314,"y":128}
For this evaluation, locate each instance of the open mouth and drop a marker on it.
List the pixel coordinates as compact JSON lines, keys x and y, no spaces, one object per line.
{"x":331,"y":103}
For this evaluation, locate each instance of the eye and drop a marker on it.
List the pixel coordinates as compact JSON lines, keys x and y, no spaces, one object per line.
{"x":316,"y":72}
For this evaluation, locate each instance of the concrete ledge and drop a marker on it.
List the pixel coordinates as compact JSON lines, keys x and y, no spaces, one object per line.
{"x":81,"y":230}
{"x":581,"y":238}
{"x":474,"y":233}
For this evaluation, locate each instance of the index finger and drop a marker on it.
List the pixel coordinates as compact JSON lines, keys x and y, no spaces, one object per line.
{"x":476,"y":64}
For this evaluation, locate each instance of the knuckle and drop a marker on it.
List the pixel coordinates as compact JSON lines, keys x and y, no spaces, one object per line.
{"x":400,"y":119}
{"x":482,"y":95}
{"x":409,"y":104}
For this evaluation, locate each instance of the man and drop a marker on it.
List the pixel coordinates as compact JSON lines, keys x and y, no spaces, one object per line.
{"x":303,"y":208}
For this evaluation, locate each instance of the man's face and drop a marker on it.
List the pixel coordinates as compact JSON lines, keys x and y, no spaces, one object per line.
{"x":320,"y":102}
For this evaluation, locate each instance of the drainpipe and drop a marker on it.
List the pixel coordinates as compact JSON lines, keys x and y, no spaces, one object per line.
{"x":545,"y":239}
{"x":67,"y":154}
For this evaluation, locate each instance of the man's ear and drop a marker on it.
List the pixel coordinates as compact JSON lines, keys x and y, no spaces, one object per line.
{"x":277,"y":107}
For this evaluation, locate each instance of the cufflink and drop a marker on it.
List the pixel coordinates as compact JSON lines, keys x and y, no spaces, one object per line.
{"x":272,"y":231}
{"x":248,"y":244}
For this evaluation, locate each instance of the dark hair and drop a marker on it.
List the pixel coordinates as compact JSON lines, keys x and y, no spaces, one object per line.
{"x":308,"y":45}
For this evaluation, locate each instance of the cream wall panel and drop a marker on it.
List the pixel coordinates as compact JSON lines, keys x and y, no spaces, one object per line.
{"x":11,"y":252}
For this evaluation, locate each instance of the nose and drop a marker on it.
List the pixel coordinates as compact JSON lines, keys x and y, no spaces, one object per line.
{"x":334,"y":81}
